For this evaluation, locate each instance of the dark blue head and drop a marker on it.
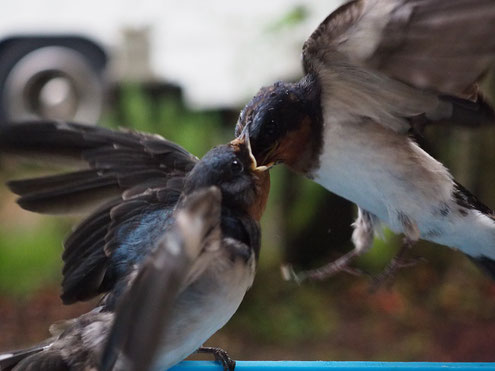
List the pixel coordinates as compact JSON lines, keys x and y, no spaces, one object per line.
{"x":285,"y":124}
{"x":232,"y":168}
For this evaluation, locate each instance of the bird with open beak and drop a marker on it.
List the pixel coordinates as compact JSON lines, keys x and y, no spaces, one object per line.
{"x":374,"y":69}
{"x":139,"y":184}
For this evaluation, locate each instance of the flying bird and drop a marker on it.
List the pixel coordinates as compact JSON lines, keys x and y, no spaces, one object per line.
{"x":137,"y":183}
{"x":374,"y":70}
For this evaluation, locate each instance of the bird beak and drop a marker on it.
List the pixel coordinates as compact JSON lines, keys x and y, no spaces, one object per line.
{"x":244,"y":139}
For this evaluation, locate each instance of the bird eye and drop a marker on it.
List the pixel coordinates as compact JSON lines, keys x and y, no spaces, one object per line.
{"x":236,"y":167}
{"x":271,"y":130}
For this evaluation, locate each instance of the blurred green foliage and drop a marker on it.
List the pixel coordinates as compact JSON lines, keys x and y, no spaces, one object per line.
{"x":166,"y":115}
{"x":29,"y":259}
{"x":289,"y":19}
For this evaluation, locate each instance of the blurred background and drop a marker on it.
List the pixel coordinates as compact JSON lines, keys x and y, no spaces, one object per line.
{"x":184,"y":70}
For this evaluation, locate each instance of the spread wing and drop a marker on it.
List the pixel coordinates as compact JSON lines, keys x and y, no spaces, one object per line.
{"x":104,"y":248}
{"x":114,"y":164}
{"x":130,"y":181}
{"x":144,"y":310}
{"x":440,"y":46}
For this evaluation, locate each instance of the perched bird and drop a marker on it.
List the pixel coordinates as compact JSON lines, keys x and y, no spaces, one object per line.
{"x":140,"y":181}
{"x":374,"y":69}
{"x":150,"y":299}
{"x":147,"y":319}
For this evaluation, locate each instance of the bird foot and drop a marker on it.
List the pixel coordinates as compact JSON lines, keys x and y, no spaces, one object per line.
{"x":220,"y":356}
{"x":324,"y":272}
{"x":398,"y":262}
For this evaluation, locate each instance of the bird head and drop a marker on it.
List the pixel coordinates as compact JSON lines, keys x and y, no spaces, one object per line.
{"x":233,"y":168}
{"x":283,"y":122}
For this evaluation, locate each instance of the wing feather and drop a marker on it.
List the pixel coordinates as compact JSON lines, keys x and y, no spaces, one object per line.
{"x":117,"y":161}
{"x":131,"y":182}
{"x":391,"y":60}
{"x":108,"y":243}
{"x":445,"y":46}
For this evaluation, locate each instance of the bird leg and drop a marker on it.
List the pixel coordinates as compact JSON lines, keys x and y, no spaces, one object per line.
{"x":363,"y":240}
{"x":399,"y":261}
{"x":220,"y":356}
{"x":324,"y":272}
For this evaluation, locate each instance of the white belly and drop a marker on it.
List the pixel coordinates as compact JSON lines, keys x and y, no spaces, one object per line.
{"x":202,"y":310}
{"x":381,"y":171}
{"x":385,"y":173}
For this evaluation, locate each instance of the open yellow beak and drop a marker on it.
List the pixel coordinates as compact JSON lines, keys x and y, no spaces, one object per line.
{"x":244,"y":139}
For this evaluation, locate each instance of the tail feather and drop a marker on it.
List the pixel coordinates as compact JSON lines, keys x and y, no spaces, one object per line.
{"x":470,"y":113}
{"x":45,"y":361}
{"x":483,"y":229}
{"x":467,"y":200}
{"x":9,"y":360}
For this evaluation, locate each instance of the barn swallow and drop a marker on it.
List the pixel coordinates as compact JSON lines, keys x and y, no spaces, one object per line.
{"x":141,"y":182}
{"x":374,"y":69}
{"x":144,"y":308}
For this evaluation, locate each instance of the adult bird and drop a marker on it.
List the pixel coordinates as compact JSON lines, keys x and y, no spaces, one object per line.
{"x":374,"y":69}
{"x":139,"y":181}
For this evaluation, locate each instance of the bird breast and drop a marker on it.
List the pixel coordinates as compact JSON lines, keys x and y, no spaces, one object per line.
{"x":382,"y":171}
{"x":205,"y":306}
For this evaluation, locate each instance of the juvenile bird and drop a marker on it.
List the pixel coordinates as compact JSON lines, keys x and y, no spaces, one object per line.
{"x":145,"y":309}
{"x":374,"y":69}
{"x":142,"y":181}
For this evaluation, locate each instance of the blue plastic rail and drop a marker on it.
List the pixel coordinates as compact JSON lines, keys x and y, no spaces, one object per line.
{"x":336,"y":366}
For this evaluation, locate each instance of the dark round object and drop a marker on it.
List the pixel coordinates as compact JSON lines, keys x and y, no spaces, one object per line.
{"x":51,"y":78}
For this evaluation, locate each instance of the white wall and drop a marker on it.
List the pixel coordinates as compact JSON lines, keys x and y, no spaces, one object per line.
{"x":220,"y":52}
